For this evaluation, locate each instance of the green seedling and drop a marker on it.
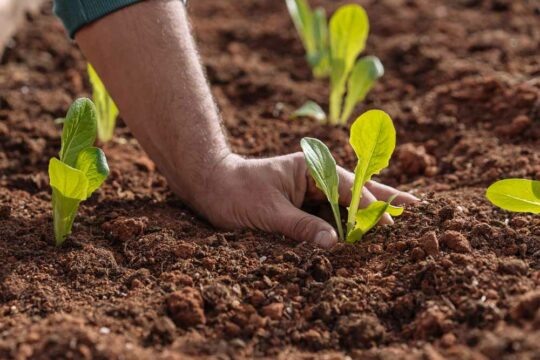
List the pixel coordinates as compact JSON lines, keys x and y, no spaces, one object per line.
{"x":373,"y":139}
{"x":350,"y":78}
{"x":80,"y":169}
{"x":313,"y":30}
{"x":310,"y":109}
{"x":107,"y":112}
{"x":517,"y":195}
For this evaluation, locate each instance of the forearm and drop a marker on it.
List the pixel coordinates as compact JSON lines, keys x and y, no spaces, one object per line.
{"x":147,"y":59}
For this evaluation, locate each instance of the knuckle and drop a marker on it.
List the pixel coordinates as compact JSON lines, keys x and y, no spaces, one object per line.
{"x":302,"y":226}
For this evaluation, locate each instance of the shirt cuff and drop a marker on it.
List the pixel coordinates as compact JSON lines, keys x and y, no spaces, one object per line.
{"x":77,"y":13}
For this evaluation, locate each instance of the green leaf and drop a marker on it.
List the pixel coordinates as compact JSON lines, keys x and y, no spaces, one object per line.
{"x":69,"y":189}
{"x":92,"y":162}
{"x":363,"y":76}
{"x":366,"y":219}
{"x":302,"y":17}
{"x":68,"y":181}
{"x":107,"y":111}
{"x":312,"y":110}
{"x":394,"y":210}
{"x":518,"y":195}
{"x":373,"y":139}
{"x":320,"y":61}
{"x":322,"y":167}
{"x":349,"y":28}
{"x":79,"y":130}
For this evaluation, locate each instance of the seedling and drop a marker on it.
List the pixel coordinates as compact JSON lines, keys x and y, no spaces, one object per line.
{"x":107,"y":112}
{"x":80,"y":170}
{"x":310,"y":109}
{"x":373,"y":139}
{"x":335,"y":49}
{"x":313,"y":30}
{"x":517,"y":195}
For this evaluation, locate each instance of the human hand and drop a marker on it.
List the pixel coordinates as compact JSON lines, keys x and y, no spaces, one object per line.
{"x":266,"y":194}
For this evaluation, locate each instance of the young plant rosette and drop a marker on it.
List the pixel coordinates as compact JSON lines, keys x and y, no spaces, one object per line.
{"x":373,"y":139}
{"x":80,"y":169}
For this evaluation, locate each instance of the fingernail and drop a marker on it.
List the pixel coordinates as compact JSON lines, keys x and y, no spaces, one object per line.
{"x":325,"y":239}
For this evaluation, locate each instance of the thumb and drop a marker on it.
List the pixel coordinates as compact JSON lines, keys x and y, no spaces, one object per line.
{"x":301,"y":226}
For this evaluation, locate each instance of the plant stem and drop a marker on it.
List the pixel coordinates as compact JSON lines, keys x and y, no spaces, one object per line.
{"x":64,"y":211}
{"x":355,"y":202}
{"x":337,"y":217}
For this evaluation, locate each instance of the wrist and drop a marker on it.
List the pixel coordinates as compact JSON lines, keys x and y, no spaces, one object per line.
{"x":197,"y":186}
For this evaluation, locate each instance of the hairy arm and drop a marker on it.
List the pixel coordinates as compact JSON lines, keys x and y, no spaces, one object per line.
{"x":148,"y":61}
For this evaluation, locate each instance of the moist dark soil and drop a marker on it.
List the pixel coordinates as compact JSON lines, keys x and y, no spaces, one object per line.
{"x":142,"y":277}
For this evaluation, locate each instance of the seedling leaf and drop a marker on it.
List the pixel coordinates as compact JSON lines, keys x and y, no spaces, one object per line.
{"x":80,"y":170}
{"x":68,"y":181}
{"x":312,"y":110}
{"x":69,"y":189}
{"x":394,"y":210}
{"x":92,"y":162}
{"x":373,"y":139}
{"x":79,"y":130}
{"x":107,"y":111}
{"x":302,"y":17}
{"x":320,"y":60}
{"x":519,"y":195}
{"x":366,"y":219}
{"x":349,"y":27}
{"x":363,"y":76}
{"x":322,"y":167}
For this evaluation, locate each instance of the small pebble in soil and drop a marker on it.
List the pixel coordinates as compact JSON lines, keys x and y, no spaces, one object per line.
{"x":413,"y":160}
{"x":456,"y":241}
{"x":231,"y":329}
{"x":375,"y":249}
{"x":527,"y":305}
{"x":446,"y":213}
{"x":273,"y":311}
{"x":454,"y":224}
{"x":448,"y":339}
{"x":512,"y":267}
{"x":257,"y":297}
{"x":291,"y":257}
{"x":186,"y":307}
{"x":184,"y":250}
{"x":320,"y":268}
{"x":124,"y":229}
{"x":418,"y":254}
{"x":430,"y":243}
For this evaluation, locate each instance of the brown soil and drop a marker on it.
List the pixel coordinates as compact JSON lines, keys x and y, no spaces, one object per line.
{"x":143,"y":278}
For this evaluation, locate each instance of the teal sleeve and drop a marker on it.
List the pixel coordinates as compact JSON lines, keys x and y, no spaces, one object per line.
{"x":77,"y":13}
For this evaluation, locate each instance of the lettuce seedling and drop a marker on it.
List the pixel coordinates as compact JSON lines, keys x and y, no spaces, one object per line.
{"x":80,"y":170}
{"x":312,"y":110}
{"x":373,"y":139}
{"x":107,"y":111}
{"x":517,"y":195}
{"x":313,"y":30}
{"x":350,"y":78}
